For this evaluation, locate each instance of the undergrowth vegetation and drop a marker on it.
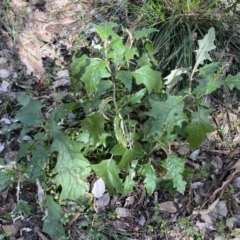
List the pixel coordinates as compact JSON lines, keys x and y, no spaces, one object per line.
{"x":124,"y":113}
{"x":181,"y":23}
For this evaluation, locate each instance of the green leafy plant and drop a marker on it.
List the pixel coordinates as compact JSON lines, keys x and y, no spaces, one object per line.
{"x":128,"y":119}
{"x":190,"y":231}
{"x":128,"y":116}
{"x":52,"y":222}
{"x":161,"y":224}
{"x":7,"y":234}
{"x":120,"y":81}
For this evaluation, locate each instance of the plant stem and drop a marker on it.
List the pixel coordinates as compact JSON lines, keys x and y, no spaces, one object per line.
{"x":114,"y":96}
{"x":114,"y":88}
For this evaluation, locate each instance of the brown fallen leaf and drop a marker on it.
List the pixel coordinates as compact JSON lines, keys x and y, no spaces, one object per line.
{"x":10,"y":228}
{"x":210,"y":208}
{"x":129,"y":201}
{"x":114,"y":201}
{"x":237,"y":138}
{"x":235,"y":207}
{"x":206,"y":218}
{"x":74,"y":218}
{"x":41,"y":236}
{"x":3,"y":195}
{"x":236,"y":165}
{"x":217,"y":162}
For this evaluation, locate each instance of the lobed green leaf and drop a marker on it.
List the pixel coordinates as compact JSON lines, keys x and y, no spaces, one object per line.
{"x":126,"y":78}
{"x":109,"y":172}
{"x":199,"y":127}
{"x":52,"y":223}
{"x":95,"y":71}
{"x":233,"y":81}
{"x":210,"y":75}
{"x":175,"y":167}
{"x":174,"y":77}
{"x":94,"y":124}
{"x":144,"y":33}
{"x":150,"y":180}
{"x":105,"y":30}
{"x":163,"y":113}
{"x":205,"y":45}
{"x":130,"y":155}
{"x":72,"y":167}
{"x":30,"y":114}
{"x":150,"y":78}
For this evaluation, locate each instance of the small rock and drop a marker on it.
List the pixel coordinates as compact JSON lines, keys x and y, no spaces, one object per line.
{"x":4,"y":85}
{"x":30,"y":9}
{"x":61,"y":83}
{"x":148,"y":238}
{"x":195,"y":213}
{"x":142,"y":221}
{"x":219,"y":238}
{"x":1,"y":147}
{"x":123,"y":212}
{"x":221,"y":209}
{"x":102,"y":201}
{"x":238,"y":222}
{"x":194,"y":155}
{"x":2,"y":60}
{"x":197,"y":198}
{"x":79,"y":7}
{"x":217,"y":162}
{"x":195,"y":185}
{"x":4,"y":73}
{"x":202,"y":227}
{"x":209,"y":227}
{"x":236,"y":182}
{"x":98,"y":16}
{"x":63,"y":73}
{"x":168,"y":207}
{"x":15,"y":75}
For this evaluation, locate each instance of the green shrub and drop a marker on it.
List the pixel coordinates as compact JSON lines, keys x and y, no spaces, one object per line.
{"x":128,"y":118}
